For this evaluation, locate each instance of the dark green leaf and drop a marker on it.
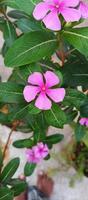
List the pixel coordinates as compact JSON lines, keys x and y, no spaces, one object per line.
{"x":11,"y":93}
{"x":54,"y":139}
{"x":75,"y":72}
{"x":28,"y":143}
{"x":18,"y":186}
{"x":28,"y":25}
{"x":79,"y":132}
{"x":9,"y":33}
{"x":78,"y":37}
{"x":30,"y":48}
{"x":26,"y":6}
{"x":6,"y":193}
{"x":84,"y":109}
{"x":16,"y":14}
{"x":9,"y":170}
{"x":74,"y":98}
{"x":29,"y":169}
{"x":55,"y":117}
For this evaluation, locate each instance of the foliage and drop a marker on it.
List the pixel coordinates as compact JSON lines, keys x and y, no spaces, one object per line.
{"x":29,"y":47}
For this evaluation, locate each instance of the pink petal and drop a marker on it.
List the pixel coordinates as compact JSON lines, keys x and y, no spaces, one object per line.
{"x":36,"y":79}
{"x":70,"y":14}
{"x":40,"y":10}
{"x":52,"y":21}
{"x":57,"y":95}
{"x":51,"y":79}
{"x":84,"y":10}
{"x":87,"y":122}
{"x":82,"y":121}
{"x":30,"y":93}
{"x":71,"y":3}
{"x":42,"y":102}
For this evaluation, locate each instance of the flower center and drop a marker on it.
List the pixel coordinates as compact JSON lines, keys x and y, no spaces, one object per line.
{"x":43,"y":88}
{"x":57,"y":6}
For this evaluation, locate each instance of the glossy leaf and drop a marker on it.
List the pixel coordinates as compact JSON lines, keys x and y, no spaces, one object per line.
{"x":29,"y":48}
{"x":18,"y":186}
{"x":79,"y":132}
{"x":11,"y":93}
{"x":55,"y":117}
{"x":6,"y":193}
{"x":29,"y":169}
{"x":9,"y":170}
{"x":28,"y":143}
{"x":78,"y":37}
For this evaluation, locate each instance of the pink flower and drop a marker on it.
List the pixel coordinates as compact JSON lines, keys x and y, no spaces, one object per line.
{"x":31,"y":157}
{"x":37,"y":153}
{"x":84,"y":121}
{"x":40,"y":86}
{"x":48,"y":12}
{"x":41,"y":150}
{"x":83,"y":10}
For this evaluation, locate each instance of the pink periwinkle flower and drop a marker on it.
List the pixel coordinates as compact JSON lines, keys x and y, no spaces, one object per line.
{"x":40,"y":87}
{"x":84,"y":121}
{"x":49,"y":10}
{"x":37,"y":153}
{"x":83,"y":7}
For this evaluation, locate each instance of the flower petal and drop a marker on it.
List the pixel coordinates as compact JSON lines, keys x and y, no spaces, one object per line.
{"x":82,"y":121}
{"x":52,"y":21}
{"x":51,"y":79}
{"x":30,"y":93}
{"x":84,"y":10}
{"x":40,"y":10}
{"x":71,"y":3}
{"x":42,"y":102}
{"x":70,"y":14}
{"x":36,"y":79}
{"x":57,"y":95}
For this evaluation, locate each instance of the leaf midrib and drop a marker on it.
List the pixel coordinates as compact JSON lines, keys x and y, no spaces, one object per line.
{"x":76,"y":34}
{"x":38,"y":45}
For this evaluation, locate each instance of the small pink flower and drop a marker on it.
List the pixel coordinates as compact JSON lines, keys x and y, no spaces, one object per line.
{"x":31,"y":157}
{"x":40,"y":86}
{"x":83,"y":7}
{"x":41,"y":150}
{"x":48,"y":12}
{"x":84,"y":121}
{"x":37,"y":153}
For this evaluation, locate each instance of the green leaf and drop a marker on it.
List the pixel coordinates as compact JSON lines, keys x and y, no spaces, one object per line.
{"x":26,"y":6}
{"x":78,"y":37}
{"x":10,"y":3}
{"x":84,"y":109}
{"x":79,"y":132}
{"x":9,"y":33}
{"x":75,"y":71}
{"x":6,"y":193}
{"x":29,"y":169}
{"x":9,"y":170}
{"x":26,"y":109}
{"x":85,"y":139}
{"x":16,"y":14}
{"x":71,"y":114}
{"x":30,"y":48}
{"x":54,"y":139}
{"x":74,"y":98}
{"x":28,"y":25}
{"x":20,"y":74}
{"x":18,"y":186}
{"x":55,"y":117}
{"x":11,"y":93}
{"x":28,"y":143}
